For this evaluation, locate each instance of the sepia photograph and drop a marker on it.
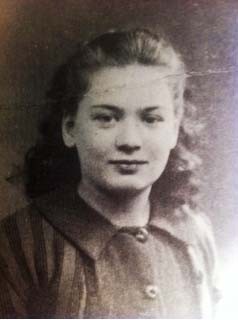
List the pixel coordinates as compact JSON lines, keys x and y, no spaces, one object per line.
{"x":119,"y":159}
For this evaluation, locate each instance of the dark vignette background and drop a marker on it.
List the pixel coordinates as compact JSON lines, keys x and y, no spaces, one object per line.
{"x":36,"y":36}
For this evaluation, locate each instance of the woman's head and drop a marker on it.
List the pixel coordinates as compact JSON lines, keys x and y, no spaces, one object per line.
{"x":129,"y":54}
{"x":124,"y":129}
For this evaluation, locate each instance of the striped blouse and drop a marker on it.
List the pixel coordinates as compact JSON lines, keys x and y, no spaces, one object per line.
{"x":60,"y":258}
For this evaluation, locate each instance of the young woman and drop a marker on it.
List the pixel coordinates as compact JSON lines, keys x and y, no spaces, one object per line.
{"x":113,"y":229}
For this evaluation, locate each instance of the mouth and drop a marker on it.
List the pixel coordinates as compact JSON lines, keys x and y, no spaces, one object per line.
{"x":128,"y":162}
{"x":128,"y":166}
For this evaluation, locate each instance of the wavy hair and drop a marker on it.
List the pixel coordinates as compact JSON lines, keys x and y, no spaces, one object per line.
{"x":50,"y":164}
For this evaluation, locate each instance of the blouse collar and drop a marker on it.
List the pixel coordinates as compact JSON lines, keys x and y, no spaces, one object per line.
{"x":90,"y":231}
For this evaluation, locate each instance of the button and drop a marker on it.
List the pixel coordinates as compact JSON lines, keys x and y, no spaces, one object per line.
{"x":199,"y":277}
{"x":151,"y":291}
{"x":142,"y":234}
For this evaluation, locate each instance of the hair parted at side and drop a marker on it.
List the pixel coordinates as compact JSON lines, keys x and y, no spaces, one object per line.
{"x":49,"y":164}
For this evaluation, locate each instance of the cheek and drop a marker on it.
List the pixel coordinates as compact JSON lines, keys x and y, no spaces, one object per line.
{"x":160,"y":140}
{"x":159,"y":148}
{"x":93,"y":144}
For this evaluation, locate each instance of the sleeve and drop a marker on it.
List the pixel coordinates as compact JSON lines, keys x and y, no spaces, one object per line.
{"x":12,"y":285}
{"x":18,"y":277}
{"x":19,"y":263}
{"x":211,"y":260}
{"x":22,"y":289}
{"x":36,"y":278}
{"x":14,"y":278}
{"x":12,"y":303}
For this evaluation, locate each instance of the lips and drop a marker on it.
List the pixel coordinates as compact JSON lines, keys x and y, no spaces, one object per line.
{"x":128,"y":166}
{"x":128,"y":162}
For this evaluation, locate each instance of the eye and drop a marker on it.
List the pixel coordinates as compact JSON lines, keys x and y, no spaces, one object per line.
{"x":152,"y":119}
{"x":104,"y":118}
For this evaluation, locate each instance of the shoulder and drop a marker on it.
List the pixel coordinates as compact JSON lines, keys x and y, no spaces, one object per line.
{"x":206,"y":244}
{"x":202,"y":230}
{"x":34,"y":259}
{"x":201,"y":236}
{"x":23,"y":238}
{"x":191,"y":227}
{"x":198,"y":227}
{"x":19,"y":228}
{"x":184,"y":223}
{"x":16,"y":226}
{"x":28,"y":223}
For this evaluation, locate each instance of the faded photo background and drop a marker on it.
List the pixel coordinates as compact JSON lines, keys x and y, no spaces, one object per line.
{"x":37,"y":36}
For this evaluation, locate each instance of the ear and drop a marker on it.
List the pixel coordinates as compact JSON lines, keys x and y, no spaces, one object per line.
{"x":68,"y":131}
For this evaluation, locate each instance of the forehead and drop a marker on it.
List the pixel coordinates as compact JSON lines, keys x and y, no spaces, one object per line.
{"x":134,"y":84}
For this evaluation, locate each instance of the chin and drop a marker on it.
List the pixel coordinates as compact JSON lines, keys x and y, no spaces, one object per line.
{"x":128,"y":187}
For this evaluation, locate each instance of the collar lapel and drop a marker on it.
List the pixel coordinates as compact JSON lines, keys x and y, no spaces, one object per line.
{"x":75,"y":220}
{"x":91,"y":232}
{"x":178,"y":223}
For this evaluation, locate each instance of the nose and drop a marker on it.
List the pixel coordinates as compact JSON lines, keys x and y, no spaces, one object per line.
{"x":128,"y":139}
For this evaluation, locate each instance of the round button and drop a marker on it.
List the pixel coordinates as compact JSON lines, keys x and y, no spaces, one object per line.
{"x":199,"y":277}
{"x":142,"y":234}
{"x":151,"y":291}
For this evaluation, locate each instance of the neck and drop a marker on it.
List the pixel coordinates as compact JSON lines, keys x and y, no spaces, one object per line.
{"x":121,"y":209}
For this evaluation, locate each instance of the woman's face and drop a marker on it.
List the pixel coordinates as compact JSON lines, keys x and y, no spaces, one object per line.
{"x":124,"y":128}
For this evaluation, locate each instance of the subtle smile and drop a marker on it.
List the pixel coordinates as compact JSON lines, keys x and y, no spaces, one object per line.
{"x":128,"y":166}
{"x":128,"y":162}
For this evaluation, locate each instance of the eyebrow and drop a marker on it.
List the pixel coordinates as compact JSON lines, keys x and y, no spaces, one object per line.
{"x":152,"y":108}
{"x":107,"y":106}
{"x":116,"y":108}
